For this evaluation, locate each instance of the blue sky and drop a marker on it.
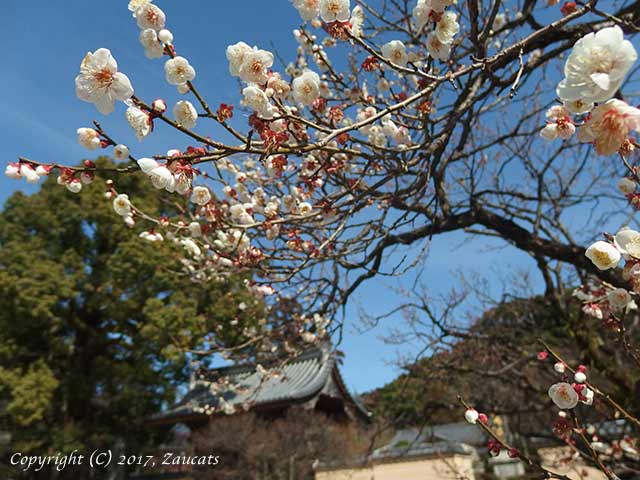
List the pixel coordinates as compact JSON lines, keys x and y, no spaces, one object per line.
{"x":44,"y":44}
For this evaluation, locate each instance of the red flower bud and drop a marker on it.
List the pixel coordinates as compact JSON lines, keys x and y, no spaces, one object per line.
{"x":568,"y":8}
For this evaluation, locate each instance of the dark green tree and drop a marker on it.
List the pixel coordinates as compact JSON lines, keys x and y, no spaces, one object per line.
{"x":94,"y":322}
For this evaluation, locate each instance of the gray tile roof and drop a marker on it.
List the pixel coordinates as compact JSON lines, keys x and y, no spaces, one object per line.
{"x":458,"y":432}
{"x":411,"y":443}
{"x":298,"y":380}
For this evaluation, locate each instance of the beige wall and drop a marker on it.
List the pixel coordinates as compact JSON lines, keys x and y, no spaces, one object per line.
{"x":442,"y":468}
{"x":555,"y":460}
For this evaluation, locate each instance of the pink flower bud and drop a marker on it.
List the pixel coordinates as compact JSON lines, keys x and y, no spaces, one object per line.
{"x":159,"y":106}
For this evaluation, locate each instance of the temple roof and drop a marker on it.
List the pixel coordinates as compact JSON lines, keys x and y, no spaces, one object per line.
{"x":459,"y":432}
{"x":311,"y":374}
{"x":418,"y":443}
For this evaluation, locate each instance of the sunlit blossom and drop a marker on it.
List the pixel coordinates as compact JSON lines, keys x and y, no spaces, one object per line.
{"x":597,"y":66}
{"x":100,"y":82}
{"x":178,"y":71}
{"x":563,"y":395}
{"x":603,"y":255}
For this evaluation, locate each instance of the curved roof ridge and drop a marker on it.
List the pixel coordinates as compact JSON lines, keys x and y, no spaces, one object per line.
{"x":313,"y":386}
{"x":301,"y":378}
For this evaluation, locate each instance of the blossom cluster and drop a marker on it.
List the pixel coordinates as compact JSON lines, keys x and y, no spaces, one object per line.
{"x":440,"y":39}
{"x":321,"y":145}
{"x":594,"y":72}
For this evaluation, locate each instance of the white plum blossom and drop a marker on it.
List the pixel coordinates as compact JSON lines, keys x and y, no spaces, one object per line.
{"x":563,"y":395}
{"x":159,"y":106}
{"x":121,"y":152}
{"x":597,"y":66}
{"x":626,"y":185}
{"x":549,"y":131}
{"x":334,"y":10}
{"x":235,"y":55}
{"x":357,"y":20}
{"x":593,"y":310}
{"x":580,"y":377}
{"x":191,"y":247}
{"x":165,"y":36}
{"x":74,"y":185}
{"x":610,"y":125}
{"x":185,"y":114}
{"x":139,"y":120}
{"x":147,"y":164}
{"x":255,"y":98}
{"x":583,"y":296}
{"x":28,"y":173}
{"x":240,"y":215}
{"x":559,"y":124}
{"x":471,"y":415}
{"x":152,"y":46}
{"x":619,"y":298}
{"x":195,"y":229}
{"x":402,"y":137}
{"x":151,"y":236}
{"x":161,"y":177}
{"x":255,"y":64}
{"x":178,"y":71}
{"x":499,"y":21}
{"x":122,"y":205}
{"x":436,"y":48}
{"x":603,"y":255}
{"x":395,"y":52}
{"x":304,"y":208}
{"x":182,"y":184}
{"x":627,"y":242}
{"x":150,"y":16}
{"x":306,"y":87}
{"x":86,"y":177}
{"x":43,"y":170}
{"x":447,"y":27}
{"x":200,"y":195}
{"x":89,"y":138}
{"x":12,"y":170}
{"x":100,"y":83}
{"x":559,"y":367}
{"x":136,"y":4}
{"x":425,"y":11}
{"x":578,"y":107}
{"x":308,"y":9}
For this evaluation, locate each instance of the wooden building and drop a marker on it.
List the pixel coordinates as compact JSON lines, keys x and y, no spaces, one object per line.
{"x":312,"y":381}
{"x":309,"y":382}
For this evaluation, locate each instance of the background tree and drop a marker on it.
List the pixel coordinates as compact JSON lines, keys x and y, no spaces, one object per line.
{"x":425,"y":119}
{"x":494,"y":361}
{"x":270,"y":449}
{"x":95,"y":325}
